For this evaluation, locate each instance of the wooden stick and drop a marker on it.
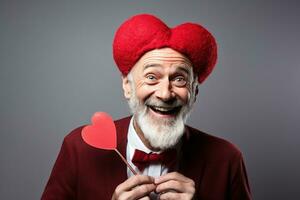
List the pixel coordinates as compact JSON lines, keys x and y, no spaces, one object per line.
{"x":128,"y":165}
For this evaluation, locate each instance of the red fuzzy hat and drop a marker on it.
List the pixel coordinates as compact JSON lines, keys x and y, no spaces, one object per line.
{"x":144,"y":32}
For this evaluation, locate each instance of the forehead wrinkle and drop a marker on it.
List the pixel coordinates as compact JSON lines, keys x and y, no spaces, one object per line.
{"x":160,"y":57}
{"x":174,"y":66}
{"x":158,"y":62}
{"x":167,"y":53}
{"x":166,"y":58}
{"x":146,"y":66}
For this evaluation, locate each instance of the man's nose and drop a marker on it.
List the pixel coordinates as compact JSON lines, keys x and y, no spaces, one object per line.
{"x":164,"y":91}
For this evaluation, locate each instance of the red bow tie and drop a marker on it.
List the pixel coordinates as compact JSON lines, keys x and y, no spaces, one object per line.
{"x":141,"y":159}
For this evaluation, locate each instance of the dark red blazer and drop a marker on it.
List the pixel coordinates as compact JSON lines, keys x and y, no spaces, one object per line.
{"x":86,"y":173}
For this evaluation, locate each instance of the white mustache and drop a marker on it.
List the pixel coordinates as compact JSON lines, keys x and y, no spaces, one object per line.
{"x":162,"y":104}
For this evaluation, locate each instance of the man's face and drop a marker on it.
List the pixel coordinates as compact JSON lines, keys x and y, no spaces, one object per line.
{"x":161,"y":90}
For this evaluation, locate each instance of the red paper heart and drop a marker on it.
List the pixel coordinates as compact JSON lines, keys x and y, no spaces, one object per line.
{"x":101,"y":133}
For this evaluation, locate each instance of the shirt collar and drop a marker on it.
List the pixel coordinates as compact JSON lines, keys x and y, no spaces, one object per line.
{"x":134,"y":140}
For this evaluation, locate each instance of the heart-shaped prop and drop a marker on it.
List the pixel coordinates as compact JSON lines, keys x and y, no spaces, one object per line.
{"x":102,"y":134}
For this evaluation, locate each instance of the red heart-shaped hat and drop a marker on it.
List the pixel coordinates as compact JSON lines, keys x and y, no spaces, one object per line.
{"x":144,"y":32}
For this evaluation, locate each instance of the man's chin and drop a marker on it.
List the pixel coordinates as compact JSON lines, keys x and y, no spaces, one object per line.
{"x":161,"y":132}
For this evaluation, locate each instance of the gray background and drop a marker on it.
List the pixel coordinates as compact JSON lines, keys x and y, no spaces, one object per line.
{"x":57,"y":70}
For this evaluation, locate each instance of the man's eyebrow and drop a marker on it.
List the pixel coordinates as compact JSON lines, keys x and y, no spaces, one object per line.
{"x":185,"y":68}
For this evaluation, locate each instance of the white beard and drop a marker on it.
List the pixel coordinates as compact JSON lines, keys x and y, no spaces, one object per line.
{"x":161,"y":133}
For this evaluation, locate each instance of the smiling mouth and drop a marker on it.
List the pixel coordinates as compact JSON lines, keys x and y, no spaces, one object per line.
{"x":165,"y":110}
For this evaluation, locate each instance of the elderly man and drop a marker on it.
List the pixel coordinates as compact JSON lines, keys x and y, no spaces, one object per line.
{"x":161,"y":68}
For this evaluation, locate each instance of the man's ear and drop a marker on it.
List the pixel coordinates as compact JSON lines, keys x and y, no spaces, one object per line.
{"x":196,"y":93}
{"x":126,"y":87}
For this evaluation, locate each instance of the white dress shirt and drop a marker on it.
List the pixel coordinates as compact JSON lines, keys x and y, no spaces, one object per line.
{"x":134,"y":142}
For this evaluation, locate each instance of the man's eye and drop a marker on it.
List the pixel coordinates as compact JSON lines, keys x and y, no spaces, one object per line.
{"x":179,"y":81}
{"x":151,"y":77}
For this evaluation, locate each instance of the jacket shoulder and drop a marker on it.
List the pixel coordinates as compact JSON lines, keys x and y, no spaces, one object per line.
{"x":212,"y":146}
{"x":74,"y":136}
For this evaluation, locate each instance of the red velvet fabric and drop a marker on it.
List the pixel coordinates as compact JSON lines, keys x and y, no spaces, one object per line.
{"x":82,"y":172}
{"x":144,"y":32}
{"x":142,"y":159}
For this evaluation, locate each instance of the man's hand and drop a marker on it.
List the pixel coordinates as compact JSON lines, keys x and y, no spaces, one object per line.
{"x":175,"y":186}
{"x":136,"y":187}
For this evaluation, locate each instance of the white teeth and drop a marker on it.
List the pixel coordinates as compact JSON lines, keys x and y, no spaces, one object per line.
{"x":162,"y":109}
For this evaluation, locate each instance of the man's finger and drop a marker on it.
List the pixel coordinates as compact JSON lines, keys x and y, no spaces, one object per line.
{"x":139,"y":191}
{"x":145,"y":198}
{"x":134,"y":181}
{"x":171,"y":176}
{"x":169,"y":186}
{"x":169,"y":195}
{"x":175,"y":186}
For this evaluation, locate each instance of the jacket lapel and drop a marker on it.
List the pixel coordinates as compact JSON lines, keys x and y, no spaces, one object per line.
{"x":191,"y":164}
